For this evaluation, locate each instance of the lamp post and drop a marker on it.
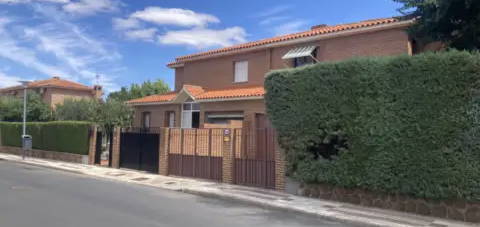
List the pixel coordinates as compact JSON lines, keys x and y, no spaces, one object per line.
{"x":24,"y":132}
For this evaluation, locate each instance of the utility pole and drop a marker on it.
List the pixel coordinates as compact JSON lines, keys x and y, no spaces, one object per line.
{"x":24,"y":133}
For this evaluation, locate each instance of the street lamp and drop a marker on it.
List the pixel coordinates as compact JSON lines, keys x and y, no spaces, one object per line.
{"x":24,"y":133}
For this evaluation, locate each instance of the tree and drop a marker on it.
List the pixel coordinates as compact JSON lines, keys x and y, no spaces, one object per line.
{"x":453,"y":22}
{"x":76,"y":110}
{"x":11,"y":108}
{"x":113,"y":113}
{"x":138,"y":91}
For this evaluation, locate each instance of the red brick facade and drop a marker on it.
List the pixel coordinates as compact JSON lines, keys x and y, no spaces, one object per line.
{"x":216,"y":71}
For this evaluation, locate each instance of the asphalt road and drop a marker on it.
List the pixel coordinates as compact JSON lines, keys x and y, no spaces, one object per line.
{"x":39,"y":197}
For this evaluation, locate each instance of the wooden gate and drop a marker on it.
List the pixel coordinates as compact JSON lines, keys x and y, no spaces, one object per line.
{"x":254,"y":163}
{"x":196,"y":153}
{"x":139,"y":150}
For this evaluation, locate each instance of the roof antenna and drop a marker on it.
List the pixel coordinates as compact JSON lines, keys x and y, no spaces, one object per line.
{"x":97,"y":79}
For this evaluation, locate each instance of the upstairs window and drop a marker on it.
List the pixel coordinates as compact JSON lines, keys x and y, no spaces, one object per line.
{"x":302,"y":56}
{"x":241,"y":71}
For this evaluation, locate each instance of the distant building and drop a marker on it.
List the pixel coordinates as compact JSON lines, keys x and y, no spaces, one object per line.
{"x":55,"y":90}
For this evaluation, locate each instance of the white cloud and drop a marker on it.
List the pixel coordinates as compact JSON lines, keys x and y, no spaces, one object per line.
{"x":89,"y":7}
{"x":142,"y":34}
{"x":273,"y":19}
{"x":59,"y":47}
{"x":125,"y":24}
{"x":8,"y":81}
{"x":31,"y":1}
{"x":11,"y":50}
{"x":75,"y":7}
{"x":273,"y":11}
{"x":204,"y":38}
{"x":173,"y":16}
{"x":290,"y":27}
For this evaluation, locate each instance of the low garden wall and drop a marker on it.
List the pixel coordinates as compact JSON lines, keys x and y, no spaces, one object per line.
{"x":452,"y":209}
{"x":61,"y":136}
{"x":59,"y":140}
{"x":52,"y":155}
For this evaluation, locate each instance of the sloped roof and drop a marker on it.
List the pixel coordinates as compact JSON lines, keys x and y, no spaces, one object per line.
{"x":315,"y":31}
{"x":52,"y":82}
{"x":200,"y":94}
{"x":232,"y":93}
{"x":155,"y":98}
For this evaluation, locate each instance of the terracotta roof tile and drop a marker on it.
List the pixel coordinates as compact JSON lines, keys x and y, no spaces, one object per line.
{"x":232,"y":93}
{"x":313,"y":32}
{"x":201,"y":94}
{"x":154,"y":98}
{"x":52,"y":82}
{"x":193,"y":90}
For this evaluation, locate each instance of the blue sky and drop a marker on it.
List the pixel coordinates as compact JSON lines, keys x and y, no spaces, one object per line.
{"x":131,"y":41}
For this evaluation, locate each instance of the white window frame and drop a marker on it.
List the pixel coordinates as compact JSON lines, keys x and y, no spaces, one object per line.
{"x":171,"y":119}
{"x":240,"y":74}
{"x":146,"y":119}
{"x":186,"y":119}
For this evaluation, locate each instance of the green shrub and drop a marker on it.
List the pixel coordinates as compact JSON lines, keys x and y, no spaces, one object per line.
{"x":407,"y":124}
{"x":61,"y":136}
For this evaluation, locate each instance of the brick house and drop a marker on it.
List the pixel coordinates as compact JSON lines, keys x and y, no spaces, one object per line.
{"x":55,"y":90}
{"x":225,"y":86}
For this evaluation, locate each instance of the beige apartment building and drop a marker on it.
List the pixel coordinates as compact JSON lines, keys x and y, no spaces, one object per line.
{"x":55,"y":90}
{"x":224,"y":87}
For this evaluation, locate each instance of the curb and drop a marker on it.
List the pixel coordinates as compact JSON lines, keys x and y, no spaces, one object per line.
{"x":275,"y":207}
{"x":215,"y":195}
{"x":328,"y":215}
{"x":45,"y":166}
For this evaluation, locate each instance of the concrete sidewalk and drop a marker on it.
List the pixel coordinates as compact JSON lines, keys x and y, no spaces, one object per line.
{"x":266,"y":198}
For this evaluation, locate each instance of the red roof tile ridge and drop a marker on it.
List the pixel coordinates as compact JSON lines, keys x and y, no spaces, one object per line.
{"x":312,"y":32}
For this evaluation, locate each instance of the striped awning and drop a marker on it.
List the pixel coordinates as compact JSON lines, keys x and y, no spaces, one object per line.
{"x":299,"y":52}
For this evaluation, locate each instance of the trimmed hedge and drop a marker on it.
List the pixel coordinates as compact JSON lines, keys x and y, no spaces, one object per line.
{"x":407,"y":124}
{"x":61,"y":136}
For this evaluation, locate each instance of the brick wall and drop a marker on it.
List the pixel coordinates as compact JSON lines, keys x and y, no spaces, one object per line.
{"x":92,"y":146}
{"x":218,"y":72}
{"x":116,"y":148}
{"x":451,"y":209}
{"x":53,"y":155}
{"x":228,"y":159}
{"x":163,"y":152}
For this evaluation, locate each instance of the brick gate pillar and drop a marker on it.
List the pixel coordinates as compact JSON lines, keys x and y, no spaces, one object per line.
{"x":163,"y":151}
{"x":92,"y":149}
{"x":227,"y":168}
{"x":280,"y":167}
{"x":116,"y":148}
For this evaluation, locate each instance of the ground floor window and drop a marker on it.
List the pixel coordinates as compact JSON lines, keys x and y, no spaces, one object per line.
{"x":169,"y":119}
{"x":225,"y":118}
{"x":190,"y":115}
{"x":146,"y":119}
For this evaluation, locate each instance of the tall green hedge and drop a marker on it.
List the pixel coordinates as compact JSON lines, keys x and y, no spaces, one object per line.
{"x":61,"y":136}
{"x":407,"y":124}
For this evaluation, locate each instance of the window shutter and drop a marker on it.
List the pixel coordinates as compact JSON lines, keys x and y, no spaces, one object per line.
{"x":241,"y":71}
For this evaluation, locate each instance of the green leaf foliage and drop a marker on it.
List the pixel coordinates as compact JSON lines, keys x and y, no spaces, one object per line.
{"x":77,"y":110}
{"x":60,"y":136}
{"x":11,"y":108}
{"x":138,"y":91}
{"x":454,"y":22}
{"x":407,"y":124}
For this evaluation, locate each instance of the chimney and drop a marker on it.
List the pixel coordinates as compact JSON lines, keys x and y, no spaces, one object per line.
{"x":97,"y":91}
{"x":319,"y":26}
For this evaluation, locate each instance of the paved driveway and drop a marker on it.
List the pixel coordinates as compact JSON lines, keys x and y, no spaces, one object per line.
{"x":39,"y":197}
